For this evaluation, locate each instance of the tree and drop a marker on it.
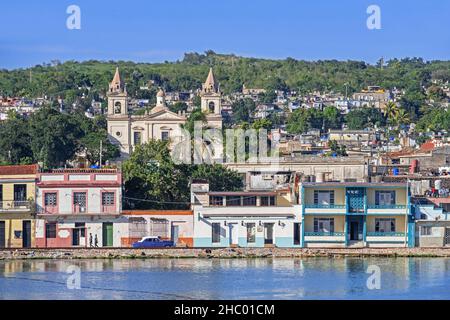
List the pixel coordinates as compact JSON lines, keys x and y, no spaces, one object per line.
{"x":302,"y":120}
{"x":337,"y":149}
{"x":91,"y":145}
{"x":153,"y":180}
{"x":262,"y":124}
{"x":332,"y":118}
{"x":178,"y":106}
{"x":14,"y":141}
{"x":364,"y":117}
{"x":242,"y":110}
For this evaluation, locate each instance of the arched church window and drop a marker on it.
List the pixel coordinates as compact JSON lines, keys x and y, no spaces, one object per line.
{"x":117,"y":107}
{"x":211,"y":107}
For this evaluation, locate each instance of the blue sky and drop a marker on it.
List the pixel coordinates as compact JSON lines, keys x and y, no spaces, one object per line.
{"x":33,"y":32}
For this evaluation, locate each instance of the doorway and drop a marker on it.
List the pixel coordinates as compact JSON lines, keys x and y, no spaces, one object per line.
{"x":26,"y":234}
{"x":79,"y":234}
{"x":174,"y":233}
{"x":2,"y":234}
{"x":233,"y":231}
{"x":268,"y":233}
{"x":107,"y":234}
{"x":354,"y":230}
{"x":447,"y":237}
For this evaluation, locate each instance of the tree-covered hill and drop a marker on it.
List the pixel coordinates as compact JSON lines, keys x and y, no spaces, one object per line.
{"x":71,"y":79}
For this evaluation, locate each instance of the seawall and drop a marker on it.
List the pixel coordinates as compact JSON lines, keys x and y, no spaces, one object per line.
{"x":228,"y":253}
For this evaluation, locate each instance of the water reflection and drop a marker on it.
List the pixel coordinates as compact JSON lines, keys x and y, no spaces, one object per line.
{"x":309,"y":278}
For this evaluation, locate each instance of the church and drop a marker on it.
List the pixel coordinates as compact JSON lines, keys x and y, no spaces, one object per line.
{"x":128,"y":131}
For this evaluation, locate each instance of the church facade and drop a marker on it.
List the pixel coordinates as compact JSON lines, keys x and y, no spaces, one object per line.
{"x":128,"y":131}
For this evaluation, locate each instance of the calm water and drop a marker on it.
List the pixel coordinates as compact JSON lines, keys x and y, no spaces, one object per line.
{"x":311,"y":278}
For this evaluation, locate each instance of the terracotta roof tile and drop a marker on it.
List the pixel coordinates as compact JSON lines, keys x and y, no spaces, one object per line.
{"x":19,"y":169}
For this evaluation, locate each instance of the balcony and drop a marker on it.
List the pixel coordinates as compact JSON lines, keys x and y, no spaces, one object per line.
{"x":324,"y":237}
{"x":385,"y":237}
{"x":16,"y":206}
{"x":389,"y":209}
{"x":325,"y":209}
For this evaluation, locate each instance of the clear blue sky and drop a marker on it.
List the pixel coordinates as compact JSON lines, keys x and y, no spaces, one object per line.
{"x":33,"y":32}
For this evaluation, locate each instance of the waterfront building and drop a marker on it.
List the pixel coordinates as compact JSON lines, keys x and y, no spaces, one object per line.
{"x":79,"y":208}
{"x":174,"y":225}
{"x":432,"y":222}
{"x":17,"y":196}
{"x":128,"y":131}
{"x":336,"y":214}
{"x":245,"y":218}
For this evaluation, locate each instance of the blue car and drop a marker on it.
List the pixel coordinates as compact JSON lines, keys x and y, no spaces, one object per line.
{"x":153,"y":242}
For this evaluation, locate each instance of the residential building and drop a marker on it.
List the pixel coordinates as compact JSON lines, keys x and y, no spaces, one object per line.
{"x":245,"y":218}
{"x":432,"y":222}
{"x":79,"y":208}
{"x":17,"y":196}
{"x":356,"y":215}
{"x":174,"y":225}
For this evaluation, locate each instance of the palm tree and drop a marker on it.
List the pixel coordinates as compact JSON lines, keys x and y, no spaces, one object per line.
{"x":402,"y":117}
{"x":390,"y":111}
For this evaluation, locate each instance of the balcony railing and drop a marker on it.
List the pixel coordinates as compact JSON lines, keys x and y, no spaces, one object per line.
{"x":324,"y":234}
{"x":325,"y":206}
{"x":15,"y":205}
{"x":385,"y":234}
{"x":386,"y":206}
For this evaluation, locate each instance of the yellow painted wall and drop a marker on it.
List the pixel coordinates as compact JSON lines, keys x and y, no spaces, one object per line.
{"x":399,"y":223}
{"x":284,"y":199}
{"x":339,"y":223}
{"x":12,"y":225}
{"x":339,"y":195}
{"x":14,"y":219}
{"x":400,"y":195}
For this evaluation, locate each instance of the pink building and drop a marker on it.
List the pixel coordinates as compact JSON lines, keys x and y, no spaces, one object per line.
{"x":79,"y":207}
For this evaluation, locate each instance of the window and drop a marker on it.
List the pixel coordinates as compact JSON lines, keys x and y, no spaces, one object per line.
{"x":233,"y":200}
{"x":216,"y":201}
{"x":137,"y":137}
{"x":384,"y":198}
{"x":50,"y":230}
{"x":267,"y":201}
{"x":251,"y":232}
{"x":165,"y":135}
{"x":297,"y":232}
{"x":108,"y":199}
{"x":249,"y":201}
{"x":20,"y":192}
{"x":211,"y":107}
{"x":79,"y":201}
{"x":384,"y":225}
{"x":323,"y":224}
{"x":50,"y":199}
{"x":426,"y":231}
{"x":117,"y":107}
{"x":324,"y":197}
{"x":215,"y":232}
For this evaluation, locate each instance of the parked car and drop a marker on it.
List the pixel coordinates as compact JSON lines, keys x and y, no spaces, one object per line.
{"x":153,"y":242}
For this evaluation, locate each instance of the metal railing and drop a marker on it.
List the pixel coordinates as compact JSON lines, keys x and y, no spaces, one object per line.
{"x":15,"y":205}
{"x":325,"y":206}
{"x":386,"y":206}
{"x":385,"y":234}
{"x":325,"y":234}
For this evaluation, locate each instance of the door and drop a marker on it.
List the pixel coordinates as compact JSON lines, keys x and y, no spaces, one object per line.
{"x":76,"y":237}
{"x":107,"y":234}
{"x":354,"y":226}
{"x":233,"y":233}
{"x":447,"y":237}
{"x":268,"y":233}
{"x":2,"y":234}
{"x":20,"y":195}
{"x":26,"y":231}
{"x":174,"y":232}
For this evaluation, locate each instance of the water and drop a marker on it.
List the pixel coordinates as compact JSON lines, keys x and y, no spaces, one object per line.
{"x":308,"y":278}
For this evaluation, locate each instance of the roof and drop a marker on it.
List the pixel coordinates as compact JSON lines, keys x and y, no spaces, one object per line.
{"x":354,"y":184}
{"x":157,"y":212}
{"x":427,"y":146}
{"x":242,"y":193}
{"x":117,"y":78}
{"x":210,"y":80}
{"x":19,"y":169}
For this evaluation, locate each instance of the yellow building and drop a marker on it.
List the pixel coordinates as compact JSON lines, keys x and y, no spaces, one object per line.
{"x":356,"y":215}
{"x":17,"y":206}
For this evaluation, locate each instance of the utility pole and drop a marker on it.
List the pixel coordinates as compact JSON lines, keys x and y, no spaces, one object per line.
{"x":101,"y":151}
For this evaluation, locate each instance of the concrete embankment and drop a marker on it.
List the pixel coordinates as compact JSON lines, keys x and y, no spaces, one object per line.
{"x":17,"y":254}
